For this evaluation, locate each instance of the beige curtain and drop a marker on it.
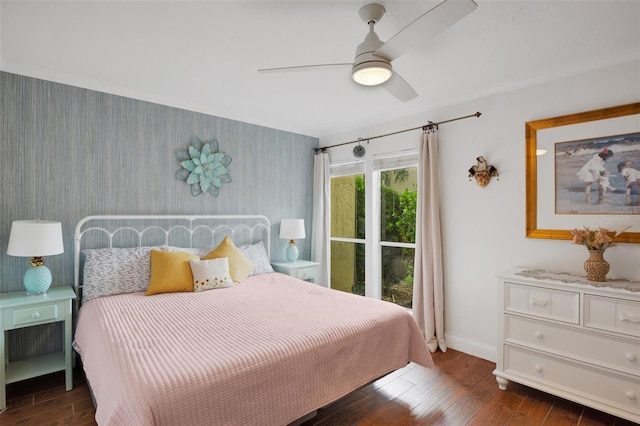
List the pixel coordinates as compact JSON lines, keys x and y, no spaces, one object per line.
{"x":428,"y":285}
{"x":321,"y":228}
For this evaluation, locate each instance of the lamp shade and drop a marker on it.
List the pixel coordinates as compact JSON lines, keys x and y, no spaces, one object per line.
{"x":292,"y":229}
{"x":32,"y":238}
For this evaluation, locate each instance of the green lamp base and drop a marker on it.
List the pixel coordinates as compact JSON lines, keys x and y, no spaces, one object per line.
{"x":37,"y":280}
{"x":292,"y":253}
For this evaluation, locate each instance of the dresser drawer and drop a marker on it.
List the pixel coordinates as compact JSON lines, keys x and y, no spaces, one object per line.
{"x":615,"y":390}
{"x":597,"y":349}
{"x":542,"y":302}
{"x":31,"y":315}
{"x":305,"y":273}
{"x":607,"y":313}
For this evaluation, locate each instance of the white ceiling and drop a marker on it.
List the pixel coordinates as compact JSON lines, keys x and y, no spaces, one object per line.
{"x":203,"y":56}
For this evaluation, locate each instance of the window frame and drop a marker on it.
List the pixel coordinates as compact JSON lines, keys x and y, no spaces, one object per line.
{"x":371,"y":167}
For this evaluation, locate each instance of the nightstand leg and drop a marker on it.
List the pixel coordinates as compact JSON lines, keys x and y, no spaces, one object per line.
{"x":68,"y":350}
{"x":3,"y":367}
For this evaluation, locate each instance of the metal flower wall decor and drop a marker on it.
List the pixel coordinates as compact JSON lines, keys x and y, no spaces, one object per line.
{"x":203,"y":167}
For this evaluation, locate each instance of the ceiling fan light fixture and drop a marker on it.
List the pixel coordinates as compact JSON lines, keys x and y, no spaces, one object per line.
{"x":372,"y":74}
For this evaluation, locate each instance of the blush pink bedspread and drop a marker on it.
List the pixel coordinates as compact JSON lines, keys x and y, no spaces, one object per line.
{"x":266,"y":352}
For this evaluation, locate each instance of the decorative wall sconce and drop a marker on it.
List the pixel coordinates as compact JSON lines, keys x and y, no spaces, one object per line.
{"x":483,"y":172}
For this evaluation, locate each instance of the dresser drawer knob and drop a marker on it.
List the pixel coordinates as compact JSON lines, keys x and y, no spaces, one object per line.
{"x":539,"y":368}
{"x":539,"y":302}
{"x":630,"y":395}
{"x":631,"y":356}
{"x":539,"y":334}
{"x":35,"y":315}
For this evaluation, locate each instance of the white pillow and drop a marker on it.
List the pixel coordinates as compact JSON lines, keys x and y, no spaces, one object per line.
{"x":257,"y":254}
{"x":210,"y":274}
{"x":200,"y":252}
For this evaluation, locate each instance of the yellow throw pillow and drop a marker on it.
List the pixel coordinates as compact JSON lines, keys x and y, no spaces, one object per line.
{"x":170,"y":272}
{"x":240,"y":267}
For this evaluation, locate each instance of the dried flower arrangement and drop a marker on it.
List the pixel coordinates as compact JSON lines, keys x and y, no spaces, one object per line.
{"x":600,"y":239}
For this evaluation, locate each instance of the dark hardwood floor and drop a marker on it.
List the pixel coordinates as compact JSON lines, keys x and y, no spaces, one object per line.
{"x":460,"y":390}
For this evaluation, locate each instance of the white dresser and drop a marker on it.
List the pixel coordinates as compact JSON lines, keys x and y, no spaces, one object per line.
{"x":570,"y":337}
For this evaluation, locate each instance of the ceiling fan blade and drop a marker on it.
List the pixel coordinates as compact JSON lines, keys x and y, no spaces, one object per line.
{"x":303,"y":68}
{"x":399,"y":88}
{"x":426,"y":27}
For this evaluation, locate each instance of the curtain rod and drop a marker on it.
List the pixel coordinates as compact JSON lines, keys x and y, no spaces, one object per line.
{"x":429,"y":125}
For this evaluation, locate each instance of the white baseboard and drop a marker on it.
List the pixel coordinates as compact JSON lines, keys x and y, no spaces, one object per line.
{"x":470,"y":346}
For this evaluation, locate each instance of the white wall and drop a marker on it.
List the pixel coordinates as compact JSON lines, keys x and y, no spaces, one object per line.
{"x":484,"y":228}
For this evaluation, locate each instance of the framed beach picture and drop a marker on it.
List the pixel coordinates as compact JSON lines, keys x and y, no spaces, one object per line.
{"x":598,"y":175}
{"x":584,"y":170}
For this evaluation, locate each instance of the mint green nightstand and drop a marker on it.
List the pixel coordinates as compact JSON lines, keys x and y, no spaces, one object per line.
{"x":19,"y":310}
{"x":303,"y":269}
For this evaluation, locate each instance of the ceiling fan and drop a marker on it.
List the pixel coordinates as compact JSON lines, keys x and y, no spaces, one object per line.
{"x":372,"y":63}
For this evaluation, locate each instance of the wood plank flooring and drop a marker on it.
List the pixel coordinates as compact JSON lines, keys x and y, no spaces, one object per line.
{"x":460,"y":390}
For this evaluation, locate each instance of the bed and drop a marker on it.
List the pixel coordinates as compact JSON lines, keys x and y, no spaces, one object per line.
{"x":267,"y":349}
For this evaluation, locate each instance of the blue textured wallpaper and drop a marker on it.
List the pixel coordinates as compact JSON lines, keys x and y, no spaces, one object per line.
{"x":67,"y":152}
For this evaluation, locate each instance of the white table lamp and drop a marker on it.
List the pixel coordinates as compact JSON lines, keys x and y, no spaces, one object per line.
{"x":292,"y":229}
{"x":35,"y":239}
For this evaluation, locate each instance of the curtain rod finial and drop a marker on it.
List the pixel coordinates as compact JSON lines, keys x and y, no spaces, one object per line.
{"x":478,"y":114}
{"x":431,"y":126}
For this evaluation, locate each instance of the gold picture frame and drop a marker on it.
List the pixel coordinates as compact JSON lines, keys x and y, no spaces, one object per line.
{"x":531,"y":177}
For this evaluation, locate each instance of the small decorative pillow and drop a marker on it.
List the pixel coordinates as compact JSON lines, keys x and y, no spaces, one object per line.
{"x":170,"y":272}
{"x":210,"y":274}
{"x":257,"y":254}
{"x":239,"y":266}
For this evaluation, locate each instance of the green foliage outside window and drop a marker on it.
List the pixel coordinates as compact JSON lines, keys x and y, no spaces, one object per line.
{"x":398,"y":224}
{"x":358,"y":285}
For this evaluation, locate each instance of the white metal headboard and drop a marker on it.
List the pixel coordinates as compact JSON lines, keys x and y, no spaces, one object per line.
{"x":180,"y":231}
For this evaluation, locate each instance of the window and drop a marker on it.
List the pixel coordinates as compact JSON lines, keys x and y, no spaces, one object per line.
{"x":398,"y":196}
{"x":373,"y":227}
{"x":348,"y":229}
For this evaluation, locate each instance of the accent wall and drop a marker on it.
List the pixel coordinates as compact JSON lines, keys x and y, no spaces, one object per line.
{"x":68,"y":152}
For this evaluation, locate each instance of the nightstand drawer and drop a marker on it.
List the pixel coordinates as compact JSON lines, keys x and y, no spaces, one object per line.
{"x":301,"y":269}
{"x":35,"y":315}
{"x":305,"y":273}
